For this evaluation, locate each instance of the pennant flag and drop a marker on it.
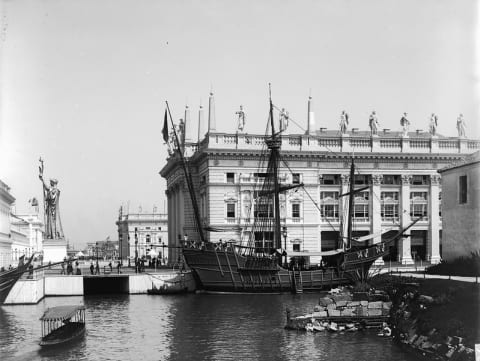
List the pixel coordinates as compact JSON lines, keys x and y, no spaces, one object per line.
{"x":165,"y":128}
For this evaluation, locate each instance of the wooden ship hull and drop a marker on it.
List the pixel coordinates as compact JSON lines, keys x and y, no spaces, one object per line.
{"x":227,"y":270}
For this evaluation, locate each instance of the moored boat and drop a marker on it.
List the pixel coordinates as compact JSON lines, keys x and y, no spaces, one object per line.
{"x":62,"y":324}
{"x":10,"y":277}
{"x":257,"y":261}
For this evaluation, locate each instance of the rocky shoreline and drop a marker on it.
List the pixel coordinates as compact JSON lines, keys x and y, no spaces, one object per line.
{"x":413,"y":315}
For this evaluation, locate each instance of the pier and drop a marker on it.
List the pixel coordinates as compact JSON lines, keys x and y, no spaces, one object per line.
{"x":32,"y":289}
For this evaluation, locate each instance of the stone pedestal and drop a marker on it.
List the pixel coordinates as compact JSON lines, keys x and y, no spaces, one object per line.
{"x":54,"y":250}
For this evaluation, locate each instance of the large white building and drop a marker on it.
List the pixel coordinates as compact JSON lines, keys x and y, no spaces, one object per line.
{"x":400,"y":171}
{"x":461,"y":208}
{"x":20,"y":234}
{"x":140,"y":233}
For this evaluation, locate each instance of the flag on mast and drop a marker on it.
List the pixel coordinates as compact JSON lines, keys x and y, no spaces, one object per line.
{"x":165,"y":128}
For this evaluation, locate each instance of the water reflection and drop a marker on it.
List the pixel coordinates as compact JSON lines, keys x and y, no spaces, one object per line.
{"x":188,"y":327}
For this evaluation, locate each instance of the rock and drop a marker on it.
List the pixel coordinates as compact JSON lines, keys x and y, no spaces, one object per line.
{"x":320,"y":314}
{"x":377,"y":304}
{"x":364,"y":303}
{"x":341,"y":303}
{"x":412,"y":339}
{"x":425,"y":299}
{"x":325,"y":301}
{"x":353,"y":303}
{"x":387,"y":305}
{"x":374,"y":311}
{"x":332,"y":312}
{"x":318,"y":308}
{"x":346,"y":312}
{"x":331,"y":306}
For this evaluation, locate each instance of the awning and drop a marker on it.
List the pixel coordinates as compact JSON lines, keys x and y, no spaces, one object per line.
{"x":60,"y":312}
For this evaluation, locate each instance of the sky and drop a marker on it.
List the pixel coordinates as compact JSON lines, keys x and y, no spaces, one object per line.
{"x":83,"y":84}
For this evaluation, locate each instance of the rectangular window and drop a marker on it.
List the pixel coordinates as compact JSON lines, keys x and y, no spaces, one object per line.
{"x":296,"y":178}
{"x":362,"y":179}
{"x":330,"y":179}
{"x":419,"y":205}
{"x":361,"y":207}
{"x":230,"y":177}
{"x":440,"y":204}
{"x":420,"y":180}
{"x":391,"y":179}
{"x":329,"y":206}
{"x":230,"y":210}
{"x":295,"y":210}
{"x":389,"y":206}
{"x":263,"y":242}
{"x":296,"y":247}
{"x":462,"y":189}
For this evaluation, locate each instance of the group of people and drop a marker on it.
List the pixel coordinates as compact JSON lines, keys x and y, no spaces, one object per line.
{"x":95,"y":270}
{"x":69,"y":268}
{"x":404,"y":123}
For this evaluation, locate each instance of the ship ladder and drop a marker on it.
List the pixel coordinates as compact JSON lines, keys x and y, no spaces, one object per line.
{"x":297,"y":282}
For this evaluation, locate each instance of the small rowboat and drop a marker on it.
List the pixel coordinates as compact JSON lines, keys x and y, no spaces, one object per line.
{"x":62,"y":324}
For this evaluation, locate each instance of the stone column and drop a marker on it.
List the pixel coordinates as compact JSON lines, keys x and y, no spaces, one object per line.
{"x":343,"y":204}
{"x":433,"y":240}
{"x":376,"y":217}
{"x":170,"y":220}
{"x":404,"y":252}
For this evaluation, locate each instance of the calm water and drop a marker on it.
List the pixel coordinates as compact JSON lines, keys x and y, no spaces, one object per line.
{"x":188,"y":327}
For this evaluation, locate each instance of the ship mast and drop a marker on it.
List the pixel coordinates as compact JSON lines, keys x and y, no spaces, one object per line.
{"x":274,"y":145}
{"x":188,"y":178}
{"x":350,"y":205}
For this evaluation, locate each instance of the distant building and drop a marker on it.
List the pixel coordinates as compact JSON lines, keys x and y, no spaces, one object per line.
{"x":461,"y":208}
{"x":398,"y":170}
{"x":105,"y":249}
{"x":6,"y":202}
{"x":151,"y":232}
{"x":27,"y":234}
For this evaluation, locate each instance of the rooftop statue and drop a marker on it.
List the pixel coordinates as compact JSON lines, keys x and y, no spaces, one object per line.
{"x":433,"y":124}
{"x":373,"y":123}
{"x":241,"y":119}
{"x":51,"y":199}
{"x":343,"y":122}
{"x":461,"y":126}
{"x":405,"y":123}
{"x":284,"y":117}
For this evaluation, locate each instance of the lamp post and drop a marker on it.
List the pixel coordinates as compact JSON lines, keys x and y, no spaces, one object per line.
{"x":136,"y":251}
{"x":284,"y":233}
{"x":163,"y":251}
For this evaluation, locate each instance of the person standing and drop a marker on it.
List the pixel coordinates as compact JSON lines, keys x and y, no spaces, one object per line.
{"x":92,"y":268}
{"x":97,"y":269}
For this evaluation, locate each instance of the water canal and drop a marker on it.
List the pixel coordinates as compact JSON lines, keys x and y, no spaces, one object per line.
{"x":189,"y":327}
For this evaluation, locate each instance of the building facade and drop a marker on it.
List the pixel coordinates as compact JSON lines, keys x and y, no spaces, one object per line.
{"x":6,"y":202}
{"x":461,"y":208}
{"x":399,"y":171}
{"x":143,"y":234}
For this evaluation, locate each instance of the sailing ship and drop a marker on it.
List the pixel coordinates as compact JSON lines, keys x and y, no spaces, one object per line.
{"x":233,"y":267}
{"x":10,"y":277}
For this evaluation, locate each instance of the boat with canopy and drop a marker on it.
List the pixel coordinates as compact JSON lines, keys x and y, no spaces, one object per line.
{"x":62,"y":324}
